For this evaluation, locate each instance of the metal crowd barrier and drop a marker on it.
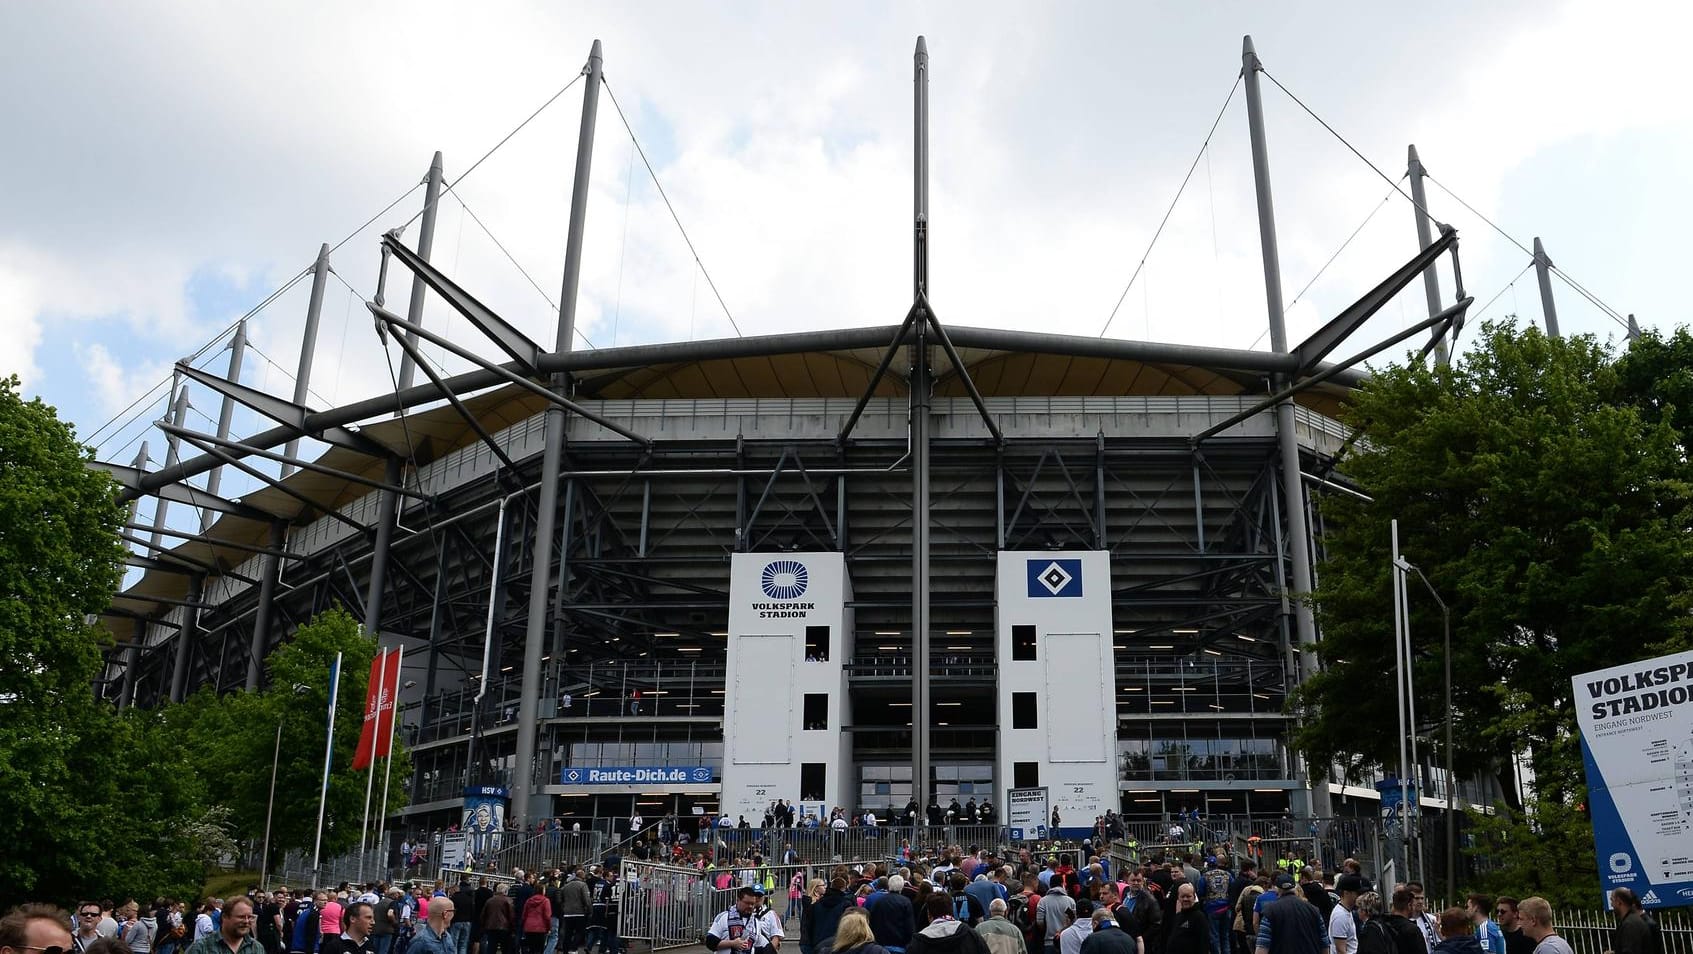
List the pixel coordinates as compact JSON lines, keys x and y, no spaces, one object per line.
{"x":665,"y":906}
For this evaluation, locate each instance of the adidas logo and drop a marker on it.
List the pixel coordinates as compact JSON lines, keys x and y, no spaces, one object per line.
{"x":1650,"y":897}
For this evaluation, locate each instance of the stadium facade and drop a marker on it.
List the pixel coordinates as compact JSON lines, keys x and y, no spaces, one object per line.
{"x":850,"y":567}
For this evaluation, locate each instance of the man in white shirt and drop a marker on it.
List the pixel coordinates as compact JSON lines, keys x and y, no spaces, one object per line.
{"x":739,"y":928}
{"x":769,"y":924}
{"x":1343,"y":925}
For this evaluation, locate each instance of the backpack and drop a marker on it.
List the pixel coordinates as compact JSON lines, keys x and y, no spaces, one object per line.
{"x":1216,"y":891}
{"x":1654,"y":936}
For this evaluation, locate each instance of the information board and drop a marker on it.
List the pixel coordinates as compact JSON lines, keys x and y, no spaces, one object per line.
{"x":1636,"y":726}
{"x":1026,"y":813}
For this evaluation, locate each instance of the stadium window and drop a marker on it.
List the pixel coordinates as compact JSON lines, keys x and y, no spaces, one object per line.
{"x":816,"y":710}
{"x":817,"y":644}
{"x":1025,"y":775}
{"x":812,"y":776}
{"x":1023,"y":710}
{"x":1023,"y":644}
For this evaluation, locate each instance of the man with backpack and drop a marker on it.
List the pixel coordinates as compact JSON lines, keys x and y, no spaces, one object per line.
{"x":1215,"y":903}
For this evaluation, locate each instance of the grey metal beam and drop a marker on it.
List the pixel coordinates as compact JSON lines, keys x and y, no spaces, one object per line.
{"x":1298,"y":548}
{"x":202,"y":538}
{"x":246,"y":450}
{"x":185,"y":639}
{"x":1431,"y":277}
{"x":162,"y":566}
{"x":1543,"y":271}
{"x":1329,"y":337}
{"x":425,"y":246}
{"x":960,"y":369}
{"x":308,"y":350}
{"x":267,"y":602}
{"x":918,"y":403}
{"x":513,"y":342}
{"x":167,"y":555}
{"x":512,"y":377}
{"x":893,"y":347}
{"x":535,"y":632}
{"x":131,"y":479}
{"x":387,"y":515}
{"x":410,"y":347}
{"x":286,"y":413}
{"x":308,"y":504}
{"x":226,"y":414}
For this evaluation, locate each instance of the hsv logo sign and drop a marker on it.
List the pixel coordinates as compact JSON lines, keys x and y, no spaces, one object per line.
{"x":1049,"y":578}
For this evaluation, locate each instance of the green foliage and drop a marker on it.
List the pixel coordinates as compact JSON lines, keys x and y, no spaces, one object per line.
{"x":1542,"y":486}
{"x":1545,"y":849}
{"x":231,"y":740}
{"x":87,"y":800}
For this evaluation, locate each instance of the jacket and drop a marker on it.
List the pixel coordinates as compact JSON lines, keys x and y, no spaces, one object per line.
{"x":949,"y":936}
{"x":1466,"y":944}
{"x":826,"y":914}
{"x":138,"y":934}
{"x":1002,"y":937}
{"x":893,"y":920}
{"x":574,"y":899}
{"x":1111,"y":940}
{"x":1190,"y":932}
{"x":497,"y":914}
{"x":426,"y":941}
{"x":1407,"y":937}
{"x":537,"y":914}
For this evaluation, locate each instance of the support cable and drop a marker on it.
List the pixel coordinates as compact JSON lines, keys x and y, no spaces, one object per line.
{"x":513,"y":260}
{"x":1296,"y":298}
{"x":677,"y":219}
{"x":1615,"y":315}
{"x":449,"y":187}
{"x":1498,"y":295}
{"x":1179,"y":189}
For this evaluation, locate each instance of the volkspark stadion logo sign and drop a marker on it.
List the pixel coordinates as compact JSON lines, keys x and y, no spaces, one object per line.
{"x":784,"y":581}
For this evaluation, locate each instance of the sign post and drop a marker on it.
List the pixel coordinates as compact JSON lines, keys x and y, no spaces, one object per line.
{"x":1026,"y":813}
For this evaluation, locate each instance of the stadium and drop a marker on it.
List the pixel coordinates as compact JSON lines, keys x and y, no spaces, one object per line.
{"x":858,"y":567}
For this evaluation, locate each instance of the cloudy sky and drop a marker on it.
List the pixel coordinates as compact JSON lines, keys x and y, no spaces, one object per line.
{"x":169,"y":165}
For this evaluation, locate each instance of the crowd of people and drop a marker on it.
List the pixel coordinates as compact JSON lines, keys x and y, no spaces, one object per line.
{"x":976,"y":902}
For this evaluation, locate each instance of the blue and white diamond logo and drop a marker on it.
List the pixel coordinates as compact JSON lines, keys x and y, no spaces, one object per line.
{"x":1049,"y":578}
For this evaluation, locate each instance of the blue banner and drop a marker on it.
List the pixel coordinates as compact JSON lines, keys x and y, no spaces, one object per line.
{"x":635,"y":775}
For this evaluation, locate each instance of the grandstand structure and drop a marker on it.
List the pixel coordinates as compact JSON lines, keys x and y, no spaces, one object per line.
{"x":552,"y":537}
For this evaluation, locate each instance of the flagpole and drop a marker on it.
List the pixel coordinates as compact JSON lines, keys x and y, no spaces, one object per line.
{"x":393,"y":733}
{"x":328,"y":750}
{"x":370,"y":774}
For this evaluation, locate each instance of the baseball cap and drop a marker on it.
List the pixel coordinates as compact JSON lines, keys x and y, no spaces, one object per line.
{"x":758,"y":889}
{"x":1350,"y":882}
{"x":1284,"y":880}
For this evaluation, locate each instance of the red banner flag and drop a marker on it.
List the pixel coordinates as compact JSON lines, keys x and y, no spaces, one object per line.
{"x":377,"y":733}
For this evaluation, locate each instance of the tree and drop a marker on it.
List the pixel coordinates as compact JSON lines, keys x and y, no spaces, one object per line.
{"x":84,"y":803}
{"x":230,"y":739}
{"x":1542,"y":487}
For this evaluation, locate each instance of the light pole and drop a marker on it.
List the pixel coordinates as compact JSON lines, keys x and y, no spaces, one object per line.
{"x":264,"y":858}
{"x":1402,"y":674}
{"x":1451,"y":781}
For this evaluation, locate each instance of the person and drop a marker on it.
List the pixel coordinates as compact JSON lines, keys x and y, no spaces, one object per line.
{"x":1290,"y":924}
{"x":770,"y":923}
{"x":1634,"y":932}
{"x":1535,"y":915}
{"x":108,"y":945}
{"x":329,"y":917}
{"x":575,"y":903}
{"x":945,"y":934}
{"x":386,"y":913}
{"x":302,"y":918}
{"x":1374,"y":937}
{"x":537,"y":921}
{"x":1311,"y":886}
{"x":1217,"y":902}
{"x":1505,"y":913}
{"x":464,"y":907}
{"x":892,"y":918}
{"x":1457,"y":933}
{"x":357,"y":922}
{"x":854,"y":936}
{"x":1135,"y":911}
{"x":205,"y":924}
{"x":139,"y":931}
{"x":998,"y":933}
{"x":35,"y":927}
{"x":1070,"y":939}
{"x":234,"y":934}
{"x":270,"y":924}
{"x":739,"y":927}
{"x":808,"y":914}
{"x":434,"y":935}
{"x":1190,"y":930}
{"x":1245,"y":908}
{"x":966,"y":907}
{"x":826,"y":913}
{"x":1424,"y":921}
{"x":1477,"y":907}
{"x":1109,"y":937}
{"x":1054,"y":913}
{"x":498,"y":918}
{"x":1343,"y":922}
{"x":87,"y":926}
{"x":1407,"y":937}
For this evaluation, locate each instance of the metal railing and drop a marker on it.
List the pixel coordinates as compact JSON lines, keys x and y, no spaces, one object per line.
{"x":665,"y":906}
{"x":1591,"y":932}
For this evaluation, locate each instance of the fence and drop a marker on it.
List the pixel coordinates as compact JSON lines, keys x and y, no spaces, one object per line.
{"x":664,"y":906}
{"x":816,"y":845}
{"x":1591,"y":932}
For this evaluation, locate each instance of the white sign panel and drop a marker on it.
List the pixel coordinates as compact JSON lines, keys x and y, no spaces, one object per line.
{"x":1637,"y":744}
{"x":1026,"y":812}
